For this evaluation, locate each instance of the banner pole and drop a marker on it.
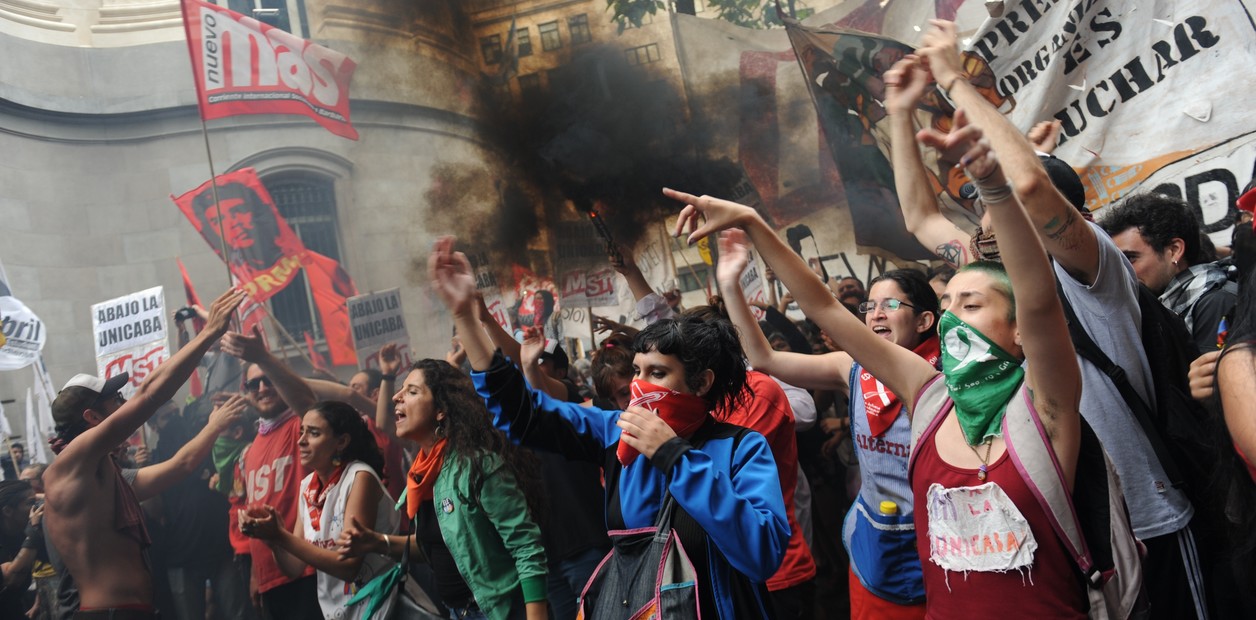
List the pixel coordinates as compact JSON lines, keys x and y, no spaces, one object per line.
{"x":274,"y":322}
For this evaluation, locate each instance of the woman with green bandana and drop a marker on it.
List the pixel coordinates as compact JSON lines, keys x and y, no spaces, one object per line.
{"x":986,"y":544}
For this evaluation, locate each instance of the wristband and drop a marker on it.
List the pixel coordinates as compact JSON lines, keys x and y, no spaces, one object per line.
{"x":388,"y":378}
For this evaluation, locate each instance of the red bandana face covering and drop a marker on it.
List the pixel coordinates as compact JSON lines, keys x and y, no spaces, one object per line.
{"x":882,"y":405}
{"x":316,"y":495}
{"x":684,"y":413}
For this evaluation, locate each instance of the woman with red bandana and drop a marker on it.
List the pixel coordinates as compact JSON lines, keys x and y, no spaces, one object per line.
{"x":471,"y":493}
{"x":987,"y":546}
{"x":731,"y":515}
{"x":885,"y":574}
{"x":337,"y":447}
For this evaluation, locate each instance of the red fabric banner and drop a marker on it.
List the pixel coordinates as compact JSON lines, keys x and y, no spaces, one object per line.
{"x":195,"y":387}
{"x":242,"y":66}
{"x":316,"y":359}
{"x":331,"y":287}
{"x":263,"y":253}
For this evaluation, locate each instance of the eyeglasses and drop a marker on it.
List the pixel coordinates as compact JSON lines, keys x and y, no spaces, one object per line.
{"x":256,"y":384}
{"x":888,"y":305}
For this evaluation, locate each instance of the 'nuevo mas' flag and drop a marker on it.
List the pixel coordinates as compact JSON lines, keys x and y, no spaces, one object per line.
{"x":242,"y":66}
{"x":262,"y":251}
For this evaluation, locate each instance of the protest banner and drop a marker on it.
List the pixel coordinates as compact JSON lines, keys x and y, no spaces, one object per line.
{"x":22,"y":334}
{"x":486,"y":285}
{"x":377,"y":319}
{"x":262,"y":251}
{"x":130,"y":336}
{"x":242,"y":66}
{"x":753,"y":288}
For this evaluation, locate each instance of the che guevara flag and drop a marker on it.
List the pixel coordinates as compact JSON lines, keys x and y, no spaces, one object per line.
{"x":242,"y":66}
{"x":262,"y":251}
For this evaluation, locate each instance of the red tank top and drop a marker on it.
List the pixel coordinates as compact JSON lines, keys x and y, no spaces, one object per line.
{"x":272,"y":475}
{"x":1050,"y":587}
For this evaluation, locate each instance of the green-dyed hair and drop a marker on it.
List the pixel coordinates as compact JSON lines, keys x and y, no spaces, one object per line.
{"x":1002,"y":283}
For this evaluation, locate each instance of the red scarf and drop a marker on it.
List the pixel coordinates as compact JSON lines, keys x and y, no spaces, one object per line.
{"x":685,"y":413}
{"x":422,"y":476}
{"x":316,"y":494}
{"x":881,"y":405}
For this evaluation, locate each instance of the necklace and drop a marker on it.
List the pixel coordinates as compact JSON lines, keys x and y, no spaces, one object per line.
{"x":985,"y":462}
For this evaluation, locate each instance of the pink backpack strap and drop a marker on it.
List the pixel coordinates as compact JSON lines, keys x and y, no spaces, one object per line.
{"x":932,"y":403}
{"x":1030,"y":450}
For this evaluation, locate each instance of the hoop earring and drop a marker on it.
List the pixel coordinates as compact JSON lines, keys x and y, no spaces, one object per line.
{"x":335,"y":460}
{"x":440,"y":429}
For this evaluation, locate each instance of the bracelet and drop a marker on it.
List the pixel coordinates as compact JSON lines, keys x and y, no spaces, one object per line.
{"x":947,"y":89}
{"x":997,"y":193}
{"x":387,"y":544}
{"x":388,"y":378}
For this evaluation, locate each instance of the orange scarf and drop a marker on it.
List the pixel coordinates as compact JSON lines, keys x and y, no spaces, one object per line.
{"x":422,"y":476}
{"x":316,"y":495}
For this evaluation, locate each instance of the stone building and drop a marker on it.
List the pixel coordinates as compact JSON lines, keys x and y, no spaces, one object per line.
{"x":99,"y":127}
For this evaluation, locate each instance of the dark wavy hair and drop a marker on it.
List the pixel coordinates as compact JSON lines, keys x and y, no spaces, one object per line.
{"x":707,"y":343}
{"x":612,"y":361}
{"x":1159,"y":219}
{"x":345,"y":420}
{"x":469,"y":429}
{"x":919,"y":294}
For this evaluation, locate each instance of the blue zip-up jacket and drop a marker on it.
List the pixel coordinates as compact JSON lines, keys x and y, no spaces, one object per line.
{"x":729,"y":487}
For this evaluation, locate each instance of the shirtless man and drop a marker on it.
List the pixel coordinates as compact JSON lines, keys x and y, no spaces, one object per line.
{"x":92,"y":515}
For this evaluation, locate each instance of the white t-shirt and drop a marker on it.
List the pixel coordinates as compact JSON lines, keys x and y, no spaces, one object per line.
{"x":334,"y":593}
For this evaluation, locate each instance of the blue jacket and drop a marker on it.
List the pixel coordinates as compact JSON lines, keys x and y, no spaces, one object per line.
{"x":729,"y":487}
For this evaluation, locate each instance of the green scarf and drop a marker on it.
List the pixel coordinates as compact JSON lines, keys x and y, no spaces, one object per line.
{"x":225,"y":453}
{"x":980,"y":376}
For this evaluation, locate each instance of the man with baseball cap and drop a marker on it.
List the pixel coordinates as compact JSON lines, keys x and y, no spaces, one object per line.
{"x":92,"y":516}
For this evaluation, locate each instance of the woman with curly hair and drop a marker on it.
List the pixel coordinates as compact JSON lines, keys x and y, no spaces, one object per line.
{"x":344,"y":486}
{"x":473,"y":496}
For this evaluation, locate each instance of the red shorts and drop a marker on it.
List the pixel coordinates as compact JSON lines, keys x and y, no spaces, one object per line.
{"x":865,"y":605}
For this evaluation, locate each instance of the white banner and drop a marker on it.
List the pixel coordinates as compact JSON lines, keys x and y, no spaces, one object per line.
{"x":130,"y":321}
{"x":377,"y":319}
{"x":22,"y":334}
{"x":752,"y":287}
{"x":130,"y":336}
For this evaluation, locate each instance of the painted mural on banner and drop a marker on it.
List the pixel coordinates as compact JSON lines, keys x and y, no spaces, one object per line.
{"x":1145,"y":91}
{"x":129,"y":333}
{"x":377,"y":319}
{"x":263,"y":252}
{"x":1140,"y":87}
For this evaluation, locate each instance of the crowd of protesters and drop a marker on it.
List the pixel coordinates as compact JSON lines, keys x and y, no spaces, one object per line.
{"x":885,"y":457}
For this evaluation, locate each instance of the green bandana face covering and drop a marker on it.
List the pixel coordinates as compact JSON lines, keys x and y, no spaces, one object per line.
{"x":980,"y":376}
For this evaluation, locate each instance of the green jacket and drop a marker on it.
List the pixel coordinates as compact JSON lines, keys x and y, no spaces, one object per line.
{"x":493,"y":540}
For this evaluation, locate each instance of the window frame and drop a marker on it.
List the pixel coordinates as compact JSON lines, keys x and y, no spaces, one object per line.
{"x":557,"y":38}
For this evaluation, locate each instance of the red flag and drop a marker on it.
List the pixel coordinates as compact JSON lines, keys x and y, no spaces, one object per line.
{"x":195,"y":388}
{"x":190,"y":293}
{"x":242,"y":66}
{"x":331,"y":287}
{"x":316,"y":358}
{"x":263,"y":253}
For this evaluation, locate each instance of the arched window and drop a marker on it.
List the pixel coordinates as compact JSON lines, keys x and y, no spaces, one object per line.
{"x":307,"y":200}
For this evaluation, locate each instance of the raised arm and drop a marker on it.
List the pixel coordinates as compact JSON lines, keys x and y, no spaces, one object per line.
{"x":160,"y":387}
{"x":389,"y":366}
{"x":499,"y":337}
{"x":529,"y":362}
{"x":1057,"y":223}
{"x":806,"y":371}
{"x":152,"y":480}
{"x":1052,"y":374}
{"x":1236,"y":382}
{"x":290,"y":386}
{"x":330,"y":390}
{"x":901,"y":370}
{"x":905,"y":84}
{"x":450,"y":275}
